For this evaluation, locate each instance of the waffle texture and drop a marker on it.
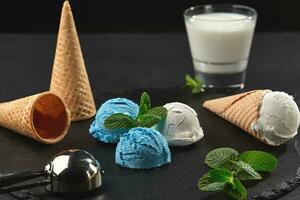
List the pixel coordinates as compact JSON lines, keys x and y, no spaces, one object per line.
{"x":69,"y":77}
{"x":241,"y":110}
{"x":25,"y":116}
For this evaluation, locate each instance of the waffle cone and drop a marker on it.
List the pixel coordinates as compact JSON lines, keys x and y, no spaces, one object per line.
{"x":42,"y":117}
{"x":241,"y":110}
{"x":69,"y":77}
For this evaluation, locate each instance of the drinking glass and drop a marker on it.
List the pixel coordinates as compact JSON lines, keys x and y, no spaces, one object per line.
{"x":220,"y":38}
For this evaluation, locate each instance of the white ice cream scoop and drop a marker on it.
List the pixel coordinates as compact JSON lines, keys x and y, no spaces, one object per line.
{"x":279,"y":118}
{"x":181,"y":126}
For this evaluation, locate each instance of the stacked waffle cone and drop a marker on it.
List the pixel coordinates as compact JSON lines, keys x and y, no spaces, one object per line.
{"x":46,"y":116}
{"x":241,"y":110}
{"x":69,"y":77}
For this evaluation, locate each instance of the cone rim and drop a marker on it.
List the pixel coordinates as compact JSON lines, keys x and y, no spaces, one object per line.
{"x":67,"y":124}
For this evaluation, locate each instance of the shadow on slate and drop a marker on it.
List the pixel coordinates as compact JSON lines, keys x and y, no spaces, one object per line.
{"x":82,"y":195}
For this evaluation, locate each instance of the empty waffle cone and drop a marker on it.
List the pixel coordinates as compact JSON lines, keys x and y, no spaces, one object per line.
{"x":69,"y":77}
{"x":42,"y":117}
{"x":241,"y":110}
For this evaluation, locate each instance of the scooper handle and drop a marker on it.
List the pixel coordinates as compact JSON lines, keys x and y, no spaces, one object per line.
{"x":17,"y":177}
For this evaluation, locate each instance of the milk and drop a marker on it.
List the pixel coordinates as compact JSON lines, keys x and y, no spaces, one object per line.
{"x":220,"y":42}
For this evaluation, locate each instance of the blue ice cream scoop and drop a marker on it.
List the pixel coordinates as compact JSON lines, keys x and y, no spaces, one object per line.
{"x":112,"y":106}
{"x":142,"y":148}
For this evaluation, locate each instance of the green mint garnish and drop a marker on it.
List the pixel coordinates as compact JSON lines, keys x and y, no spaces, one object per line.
{"x":259,"y":160}
{"x":218,"y":157}
{"x":215,"y":180}
{"x":148,"y":120}
{"x":244,"y":171}
{"x":193,"y":84}
{"x":158,"y":111}
{"x":119,"y":121}
{"x":208,"y":185}
{"x":229,"y":168}
{"x":147,"y":116}
{"x":221,"y":175}
{"x":145,"y":104}
{"x":237,"y":190}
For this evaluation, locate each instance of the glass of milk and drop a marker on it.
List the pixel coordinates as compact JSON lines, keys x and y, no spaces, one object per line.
{"x":220,"y":38}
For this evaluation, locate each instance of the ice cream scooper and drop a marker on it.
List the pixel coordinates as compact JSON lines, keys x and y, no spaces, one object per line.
{"x":67,"y":172}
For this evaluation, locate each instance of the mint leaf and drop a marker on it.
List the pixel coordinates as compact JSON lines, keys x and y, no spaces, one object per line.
{"x":194,"y":84}
{"x":242,"y":170}
{"x":206,"y":183}
{"x":236,"y":190}
{"x":218,"y":157}
{"x":199,"y":87}
{"x":145,"y":104}
{"x":158,"y":111}
{"x":190,"y":81}
{"x":143,"y":110}
{"x":148,"y":120}
{"x":245,"y":172}
{"x":215,"y":180}
{"x":221,"y":175}
{"x":119,"y":121}
{"x":259,"y":160}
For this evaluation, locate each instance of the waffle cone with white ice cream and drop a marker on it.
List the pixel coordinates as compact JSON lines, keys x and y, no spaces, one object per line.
{"x":271,"y":117}
{"x":69,"y":77}
{"x":42,"y":117}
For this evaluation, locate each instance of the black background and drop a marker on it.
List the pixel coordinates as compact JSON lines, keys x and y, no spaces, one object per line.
{"x":95,"y":16}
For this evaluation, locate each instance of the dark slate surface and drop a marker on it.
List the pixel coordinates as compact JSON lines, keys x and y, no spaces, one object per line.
{"x":124,"y":65}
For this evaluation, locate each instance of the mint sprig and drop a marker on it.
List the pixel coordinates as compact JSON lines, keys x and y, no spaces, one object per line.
{"x":147,"y":116}
{"x":229,"y":168}
{"x":194,"y":84}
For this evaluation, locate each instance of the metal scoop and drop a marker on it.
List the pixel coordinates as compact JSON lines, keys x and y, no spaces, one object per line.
{"x":67,"y":172}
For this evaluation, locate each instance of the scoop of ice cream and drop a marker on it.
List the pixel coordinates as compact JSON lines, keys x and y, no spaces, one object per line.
{"x":279,"y":118}
{"x":181,"y":126}
{"x":112,"y":106}
{"x":142,"y":148}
